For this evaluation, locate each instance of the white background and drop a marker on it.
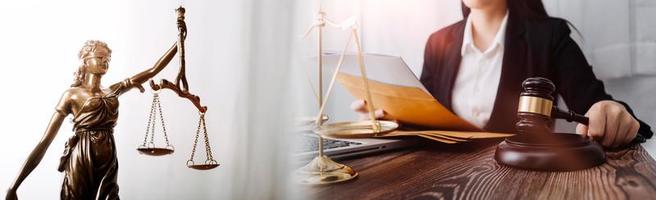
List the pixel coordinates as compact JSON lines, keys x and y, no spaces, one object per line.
{"x":235,"y":49}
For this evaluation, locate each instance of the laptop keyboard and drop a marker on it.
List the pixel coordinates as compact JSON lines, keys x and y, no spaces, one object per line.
{"x":310,"y":143}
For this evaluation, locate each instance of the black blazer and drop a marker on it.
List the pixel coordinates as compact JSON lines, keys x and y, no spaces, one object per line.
{"x":533,"y":47}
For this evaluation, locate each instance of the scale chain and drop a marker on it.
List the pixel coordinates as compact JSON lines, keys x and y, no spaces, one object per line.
{"x":208,"y":149}
{"x":161,"y":117}
{"x":193,"y":150}
{"x":152,"y":118}
{"x":150,"y":121}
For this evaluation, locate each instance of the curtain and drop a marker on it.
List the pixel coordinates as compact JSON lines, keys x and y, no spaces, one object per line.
{"x":618,"y":37}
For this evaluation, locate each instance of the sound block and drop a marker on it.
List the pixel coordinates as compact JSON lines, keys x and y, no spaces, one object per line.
{"x":550,"y":152}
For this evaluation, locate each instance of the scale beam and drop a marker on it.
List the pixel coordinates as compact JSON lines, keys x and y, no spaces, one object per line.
{"x":165,"y":84}
{"x":180,"y":87}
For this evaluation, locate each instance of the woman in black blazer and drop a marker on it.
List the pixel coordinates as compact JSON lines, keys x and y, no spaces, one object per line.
{"x":535,"y":45}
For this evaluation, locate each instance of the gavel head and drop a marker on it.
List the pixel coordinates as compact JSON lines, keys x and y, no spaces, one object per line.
{"x":535,"y":104}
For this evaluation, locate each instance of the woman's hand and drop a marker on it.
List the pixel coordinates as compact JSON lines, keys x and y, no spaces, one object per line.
{"x":11,"y":194}
{"x":610,"y":124}
{"x":360,"y":106}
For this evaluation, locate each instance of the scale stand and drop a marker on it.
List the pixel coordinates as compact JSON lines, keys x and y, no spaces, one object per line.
{"x":367,"y":128}
{"x":323,"y":170}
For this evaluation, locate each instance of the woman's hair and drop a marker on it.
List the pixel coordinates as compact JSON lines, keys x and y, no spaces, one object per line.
{"x":89,"y":47}
{"x":530,"y":9}
{"x":533,"y":9}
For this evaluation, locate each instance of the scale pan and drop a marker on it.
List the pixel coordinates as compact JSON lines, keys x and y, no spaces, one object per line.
{"x":209,"y":164}
{"x":155,"y":151}
{"x":203,"y":166}
{"x":356,"y":129}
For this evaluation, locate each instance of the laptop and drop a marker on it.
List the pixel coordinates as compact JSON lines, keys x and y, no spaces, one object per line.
{"x":307,"y":146}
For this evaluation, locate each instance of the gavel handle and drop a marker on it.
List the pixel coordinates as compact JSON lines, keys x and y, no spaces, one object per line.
{"x":569,"y":116}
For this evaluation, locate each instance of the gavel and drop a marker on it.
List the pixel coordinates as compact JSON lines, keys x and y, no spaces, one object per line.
{"x":536,"y":106}
{"x":536,"y":146}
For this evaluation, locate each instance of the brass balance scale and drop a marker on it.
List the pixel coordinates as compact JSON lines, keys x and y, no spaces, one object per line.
{"x":323,"y":170}
{"x":181,"y":88}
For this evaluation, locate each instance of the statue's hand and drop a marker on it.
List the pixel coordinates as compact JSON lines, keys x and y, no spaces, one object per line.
{"x":11,"y":195}
{"x":182,"y":27}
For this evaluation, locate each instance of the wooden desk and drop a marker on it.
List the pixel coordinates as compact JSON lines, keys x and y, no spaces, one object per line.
{"x":438,"y":171}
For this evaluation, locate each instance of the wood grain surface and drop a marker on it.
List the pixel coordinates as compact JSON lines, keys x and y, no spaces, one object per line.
{"x":439,"y":171}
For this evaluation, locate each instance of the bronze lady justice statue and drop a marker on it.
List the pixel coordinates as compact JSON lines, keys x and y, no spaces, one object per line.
{"x":89,"y":162}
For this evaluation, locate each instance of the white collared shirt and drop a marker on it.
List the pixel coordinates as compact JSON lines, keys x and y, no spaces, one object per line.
{"x":477,"y":80}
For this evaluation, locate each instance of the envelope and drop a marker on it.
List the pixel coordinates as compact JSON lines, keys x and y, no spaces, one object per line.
{"x":408,"y":105}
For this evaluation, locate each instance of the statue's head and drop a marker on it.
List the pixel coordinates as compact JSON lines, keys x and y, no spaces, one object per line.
{"x":95,"y":56}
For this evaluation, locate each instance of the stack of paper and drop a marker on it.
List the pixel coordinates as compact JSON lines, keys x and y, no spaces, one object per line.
{"x":449,"y":137}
